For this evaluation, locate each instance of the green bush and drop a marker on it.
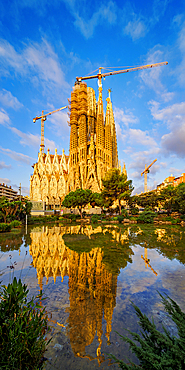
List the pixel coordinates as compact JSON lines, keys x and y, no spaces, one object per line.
{"x":124,"y":213}
{"x":15,"y":223}
{"x":95,"y":218}
{"x":134,"y":210}
{"x":156,"y":350}
{"x":120,"y":218}
{"x":23,"y":325}
{"x":133,"y":218}
{"x":176,"y":221}
{"x":146,"y":217}
{"x":5,"y":227}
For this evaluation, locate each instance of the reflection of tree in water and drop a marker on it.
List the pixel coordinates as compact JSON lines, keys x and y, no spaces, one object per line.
{"x":168,"y":240}
{"x":11,"y":241}
{"x":92,"y":259}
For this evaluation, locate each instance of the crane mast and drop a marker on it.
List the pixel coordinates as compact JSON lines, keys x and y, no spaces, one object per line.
{"x":43,"y":118}
{"x":146,"y":170}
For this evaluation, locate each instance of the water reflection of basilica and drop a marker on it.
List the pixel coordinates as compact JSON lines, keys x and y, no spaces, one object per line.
{"x":92,"y":287}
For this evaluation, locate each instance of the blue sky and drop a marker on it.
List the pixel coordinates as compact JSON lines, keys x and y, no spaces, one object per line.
{"x":43,"y":47}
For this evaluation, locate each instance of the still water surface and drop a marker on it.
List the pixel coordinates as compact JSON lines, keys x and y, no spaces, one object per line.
{"x":89,"y":275}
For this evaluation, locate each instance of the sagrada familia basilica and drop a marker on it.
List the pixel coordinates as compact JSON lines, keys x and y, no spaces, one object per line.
{"x":93,"y":150}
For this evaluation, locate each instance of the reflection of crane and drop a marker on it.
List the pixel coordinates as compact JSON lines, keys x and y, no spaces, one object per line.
{"x":146,"y":170}
{"x":43,"y":118}
{"x":99,"y":75}
{"x":147,"y":262}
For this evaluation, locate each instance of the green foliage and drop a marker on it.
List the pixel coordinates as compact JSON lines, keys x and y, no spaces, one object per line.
{"x":15,"y":210}
{"x":4,"y":227}
{"x":180,"y":198}
{"x":42,"y":219}
{"x":79,"y":198}
{"x":156,"y":350}
{"x":95,"y":218}
{"x":120,"y":218}
{"x":124,"y":213}
{"x":23,"y":325}
{"x":146,"y":217}
{"x":134,"y":210}
{"x":15,"y":223}
{"x":167,"y":198}
{"x":116,"y":187}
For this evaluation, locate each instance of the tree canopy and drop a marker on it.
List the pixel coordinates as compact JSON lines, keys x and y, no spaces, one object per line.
{"x":116,"y":186}
{"x":14,"y":210}
{"x":78,"y":198}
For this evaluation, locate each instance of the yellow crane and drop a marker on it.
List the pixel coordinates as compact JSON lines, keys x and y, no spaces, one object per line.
{"x":102,"y":74}
{"x":147,"y":261}
{"x":146,"y":170}
{"x":43,"y":118}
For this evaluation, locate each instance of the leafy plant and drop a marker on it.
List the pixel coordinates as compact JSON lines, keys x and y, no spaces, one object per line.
{"x":95,"y":218}
{"x":15,"y":223}
{"x":124,"y":213}
{"x":156,"y":350}
{"x":23,"y":325}
{"x":120,"y":218}
{"x":146,"y":217}
{"x":4,"y":227}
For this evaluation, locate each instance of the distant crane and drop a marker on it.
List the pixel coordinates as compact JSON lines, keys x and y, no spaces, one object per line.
{"x":147,"y":261}
{"x":100,"y":74}
{"x":146,"y":170}
{"x":43,"y":118}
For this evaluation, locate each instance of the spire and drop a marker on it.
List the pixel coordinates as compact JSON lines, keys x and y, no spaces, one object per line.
{"x":124,"y":171}
{"x":100,"y":100}
{"x":108,"y":110}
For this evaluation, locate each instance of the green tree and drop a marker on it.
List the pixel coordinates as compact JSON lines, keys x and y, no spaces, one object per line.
{"x":14,"y":210}
{"x":167,"y":198}
{"x":116,"y":187}
{"x":156,"y":350}
{"x":180,"y":198}
{"x":98,"y":200}
{"x":78,"y":198}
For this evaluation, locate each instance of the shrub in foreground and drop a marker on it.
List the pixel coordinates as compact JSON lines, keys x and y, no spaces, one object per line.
{"x":156,"y":350}
{"x":23,"y":325}
{"x":146,"y":217}
{"x":4,"y":227}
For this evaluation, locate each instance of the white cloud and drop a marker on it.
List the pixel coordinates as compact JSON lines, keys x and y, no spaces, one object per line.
{"x":19,"y":157}
{"x":3,"y":165}
{"x":34,"y":61}
{"x":4,"y":118}
{"x":4,"y":180}
{"x":135,"y":28}
{"x":59,"y":123}
{"x":141,"y":137}
{"x":174,"y":117}
{"x":152,"y":77}
{"x":7,"y":99}
{"x":105,"y":13}
{"x":32,"y":140}
{"x":125,"y":118}
{"x":159,"y":8}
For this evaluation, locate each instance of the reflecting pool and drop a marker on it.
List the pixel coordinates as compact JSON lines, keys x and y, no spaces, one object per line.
{"x":90,"y":275}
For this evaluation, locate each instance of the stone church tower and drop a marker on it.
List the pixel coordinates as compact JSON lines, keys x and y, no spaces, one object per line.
{"x":92,"y":152}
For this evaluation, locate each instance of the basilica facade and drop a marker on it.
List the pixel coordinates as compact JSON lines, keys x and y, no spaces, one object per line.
{"x":92,"y":152}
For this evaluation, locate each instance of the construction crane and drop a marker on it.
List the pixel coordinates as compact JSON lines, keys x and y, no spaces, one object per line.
{"x":145,"y":258}
{"x":43,"y":118}
{"x":101,"y":74}
{"x":146,"y":170}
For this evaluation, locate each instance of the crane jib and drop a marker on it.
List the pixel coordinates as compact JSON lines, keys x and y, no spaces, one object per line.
{"x":100,"y":75}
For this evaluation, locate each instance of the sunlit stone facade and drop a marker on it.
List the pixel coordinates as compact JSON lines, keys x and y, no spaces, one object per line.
{"x":93,"y":150}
